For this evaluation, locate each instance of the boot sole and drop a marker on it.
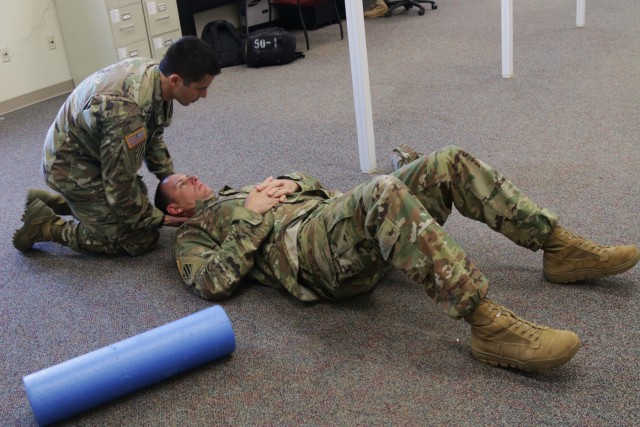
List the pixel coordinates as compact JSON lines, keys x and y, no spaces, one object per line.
{"x":536,"y":366}
{"x":574,"y":276}
{"x":18,"y":244}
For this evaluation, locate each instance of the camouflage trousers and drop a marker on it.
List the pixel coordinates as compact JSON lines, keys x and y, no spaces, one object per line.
{"x":397,"y":220}
{"x":96,"y":229}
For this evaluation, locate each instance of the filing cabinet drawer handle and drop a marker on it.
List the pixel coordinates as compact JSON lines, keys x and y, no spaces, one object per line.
{"x":163,"y":18}
{"x":127,"y":27}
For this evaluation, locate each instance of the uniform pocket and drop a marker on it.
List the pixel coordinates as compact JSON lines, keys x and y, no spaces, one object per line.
{"x":345,"y":234}
{"x":387,"y":236}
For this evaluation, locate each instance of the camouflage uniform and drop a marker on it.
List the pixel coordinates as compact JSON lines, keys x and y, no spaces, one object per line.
{"x":112,"y":122}
{"x":324,"y":245}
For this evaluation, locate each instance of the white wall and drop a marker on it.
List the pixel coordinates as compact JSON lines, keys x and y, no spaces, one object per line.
{"x":24,"y":27}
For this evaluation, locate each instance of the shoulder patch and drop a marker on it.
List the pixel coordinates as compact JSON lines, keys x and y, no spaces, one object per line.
{"x":139,"y":154}
{"x":186,"y":271}
{"x":188,"y":266}
{"x":136,"y":138}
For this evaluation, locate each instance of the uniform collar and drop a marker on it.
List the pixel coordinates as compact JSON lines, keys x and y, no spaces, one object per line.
{"x":163,"y":109}
{"x":200,"y":204}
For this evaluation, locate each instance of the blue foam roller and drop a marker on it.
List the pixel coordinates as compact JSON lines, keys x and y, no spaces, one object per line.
{"x":113,"y":371}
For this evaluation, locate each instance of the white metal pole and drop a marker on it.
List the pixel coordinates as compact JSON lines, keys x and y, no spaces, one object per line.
{"x":361,"y":88}
{"x":507,"y":38}
{"x":580,"y":13}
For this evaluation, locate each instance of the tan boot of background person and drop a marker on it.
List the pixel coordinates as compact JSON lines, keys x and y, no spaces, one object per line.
{"x":569,"y":258}
{"x":55,"y":201}
{"x":378,"y":10}
{"x":500,"y":338}
{"x":40,"y":225}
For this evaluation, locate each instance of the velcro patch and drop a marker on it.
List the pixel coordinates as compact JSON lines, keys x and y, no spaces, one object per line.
{"x":136,"y":138}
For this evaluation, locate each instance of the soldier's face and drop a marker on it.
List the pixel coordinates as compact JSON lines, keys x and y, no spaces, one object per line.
{"x":187,"y":94}
{"x":182,"y":191}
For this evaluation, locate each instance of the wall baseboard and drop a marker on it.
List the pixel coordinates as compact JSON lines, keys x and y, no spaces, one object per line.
{"x":35,"y":97}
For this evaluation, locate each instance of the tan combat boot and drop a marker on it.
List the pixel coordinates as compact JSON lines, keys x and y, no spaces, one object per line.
{"x":569,"y":258}
{"x":378,"y":10}
{"x":41,"y":224}
{"x":500,"y":338}
{"x":55,"y":201}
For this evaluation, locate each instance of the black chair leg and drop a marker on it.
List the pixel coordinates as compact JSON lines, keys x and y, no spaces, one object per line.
{"x":304,"y":26}
{"x":335,"y":6}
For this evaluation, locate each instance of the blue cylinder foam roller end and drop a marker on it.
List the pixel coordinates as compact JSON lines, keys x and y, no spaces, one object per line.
{"x":66,"y":389}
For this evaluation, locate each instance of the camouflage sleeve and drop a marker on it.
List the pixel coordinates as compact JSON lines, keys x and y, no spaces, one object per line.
{"x":214,"y":268}
{"x":308,"y":183}
{"x":305,"y":181}
{"x":126,"y":197}
{"x":157,"y":156}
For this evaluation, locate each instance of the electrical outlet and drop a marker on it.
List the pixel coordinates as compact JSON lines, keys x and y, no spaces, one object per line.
{"x":51,"y":42}
{"x":4,"y":53}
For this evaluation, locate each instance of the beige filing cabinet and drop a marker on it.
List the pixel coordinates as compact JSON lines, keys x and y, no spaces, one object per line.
{"x":98,"y":33}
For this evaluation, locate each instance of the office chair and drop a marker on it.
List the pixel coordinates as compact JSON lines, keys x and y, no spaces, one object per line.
{"x":408,"y":4}
{"x":308,"y":3}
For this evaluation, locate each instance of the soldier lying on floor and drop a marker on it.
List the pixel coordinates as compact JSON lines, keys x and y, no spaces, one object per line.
{"x":290,"y":233}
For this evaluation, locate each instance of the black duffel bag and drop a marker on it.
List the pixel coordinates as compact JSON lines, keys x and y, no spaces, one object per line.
{"x":270,"y":46}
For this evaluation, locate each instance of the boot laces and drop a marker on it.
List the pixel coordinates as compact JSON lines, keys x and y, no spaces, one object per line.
{"x":582,"y":243}
{"x":517,"y":324}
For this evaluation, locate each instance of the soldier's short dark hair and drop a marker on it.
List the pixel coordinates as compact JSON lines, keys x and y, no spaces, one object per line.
{"x":191,"y":58}
{"x":161,"y":201}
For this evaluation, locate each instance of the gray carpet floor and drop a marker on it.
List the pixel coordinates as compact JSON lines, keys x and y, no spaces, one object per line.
{"x":564,"y":129}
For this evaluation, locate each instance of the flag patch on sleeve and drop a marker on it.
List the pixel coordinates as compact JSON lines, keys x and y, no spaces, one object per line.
{"x":136,"y":138}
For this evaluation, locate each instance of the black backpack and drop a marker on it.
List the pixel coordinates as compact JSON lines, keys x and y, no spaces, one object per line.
{"x":270,"y":46}
{"x":226,"y":42}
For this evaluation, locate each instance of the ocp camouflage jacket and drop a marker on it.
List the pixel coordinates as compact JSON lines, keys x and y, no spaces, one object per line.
{"x":224,"y":242}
